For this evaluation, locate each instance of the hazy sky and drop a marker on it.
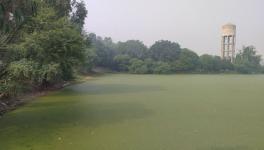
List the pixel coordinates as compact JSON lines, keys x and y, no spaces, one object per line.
{"x":194,"y":24}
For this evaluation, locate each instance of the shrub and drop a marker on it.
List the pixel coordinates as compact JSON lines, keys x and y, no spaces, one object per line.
{"x":162,"y":68}
{"x":138,"y":67}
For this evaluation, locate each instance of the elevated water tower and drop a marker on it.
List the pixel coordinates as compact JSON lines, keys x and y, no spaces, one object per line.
{"x":228,"y":46}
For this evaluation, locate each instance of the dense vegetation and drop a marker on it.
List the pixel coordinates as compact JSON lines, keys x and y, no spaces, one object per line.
{"x":41,"y":43}
{"x":165,"y":57}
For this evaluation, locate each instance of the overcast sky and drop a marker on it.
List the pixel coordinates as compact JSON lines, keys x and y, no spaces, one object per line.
{"x":194,"y":24}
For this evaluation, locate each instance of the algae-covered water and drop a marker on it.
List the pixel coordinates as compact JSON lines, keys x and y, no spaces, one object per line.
{"x":143,"y":112}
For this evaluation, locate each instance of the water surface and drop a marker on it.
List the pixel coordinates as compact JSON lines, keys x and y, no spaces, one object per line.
{"x":143,"y":112}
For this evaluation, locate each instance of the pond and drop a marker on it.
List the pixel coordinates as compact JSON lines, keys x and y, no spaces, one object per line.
{"x":143,"y":112}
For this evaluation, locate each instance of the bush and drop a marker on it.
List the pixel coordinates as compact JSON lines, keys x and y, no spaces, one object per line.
{"x":10,"y":89}
{"x":122,"y":62}
{"x":247,"y":61}
{"x":162,"y":68}
{"x":49,"y":54}
{"x":138,"y":67}
{"x":187,"y":62}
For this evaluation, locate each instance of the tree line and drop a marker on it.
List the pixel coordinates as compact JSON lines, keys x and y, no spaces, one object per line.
{"x":167,"y":57}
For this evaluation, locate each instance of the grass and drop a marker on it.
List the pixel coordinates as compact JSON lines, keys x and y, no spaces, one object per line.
{"x":143,"y":112}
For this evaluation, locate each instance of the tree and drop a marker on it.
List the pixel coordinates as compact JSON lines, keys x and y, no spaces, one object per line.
{"x":165,"y":51}
{"x":187,"y":62}
{"x":61,"y":7}
{"x":78,"y":17}
{"x":227,"y":65}
{"x":138,"y":66}
{"x":58,"y":46}
{"x":132,"y":48}
{"x":13,"y":13}
{"x":31,"y":72}
{"x":210,"y":63}
{"x":247,"y":61}
{"x":40,"y":43}
{"x":90,"y":55}
{"x":162,"y":68}
{"x":151,"y":65}
{"x":89,"y":60}
{"x":105,"y":51}
{"x":122,"y":62}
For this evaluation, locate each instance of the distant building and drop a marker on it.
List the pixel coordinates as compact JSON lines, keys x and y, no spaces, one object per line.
{"x":228,"y":45}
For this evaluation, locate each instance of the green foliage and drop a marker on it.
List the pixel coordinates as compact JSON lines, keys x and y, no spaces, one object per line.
{"x":54,"y":42}
{"x":247,"y":61}
{"x":13,"y":13}
{"x":210,"y":63}
{"x":46,"y":47}
{"x":48,"y":54}
{"x":89,"y":60}
{"x":187,"y":62}
{"x":78,"y":17}
{"x":62,"y":7}
{"x":90,"y":56}
{"x":151,"y":64}
{"x":227,"y":66}
{"x":105,"y":51}
{"x":122,"y":62}
{"x":138,"y":66}
{"x":165,"y":57}
{"x":49,"y":72}
{"x":9,"y":89}
{"x":162,"y":68}
{"x":22,"y":70}
{"x":31,"y":72}
{"x":165,"y":51}
{"x":132,"y":48}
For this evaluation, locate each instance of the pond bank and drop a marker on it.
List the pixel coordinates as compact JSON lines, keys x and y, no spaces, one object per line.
{"x":7,"y":105}
{"x":10,"y":104}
